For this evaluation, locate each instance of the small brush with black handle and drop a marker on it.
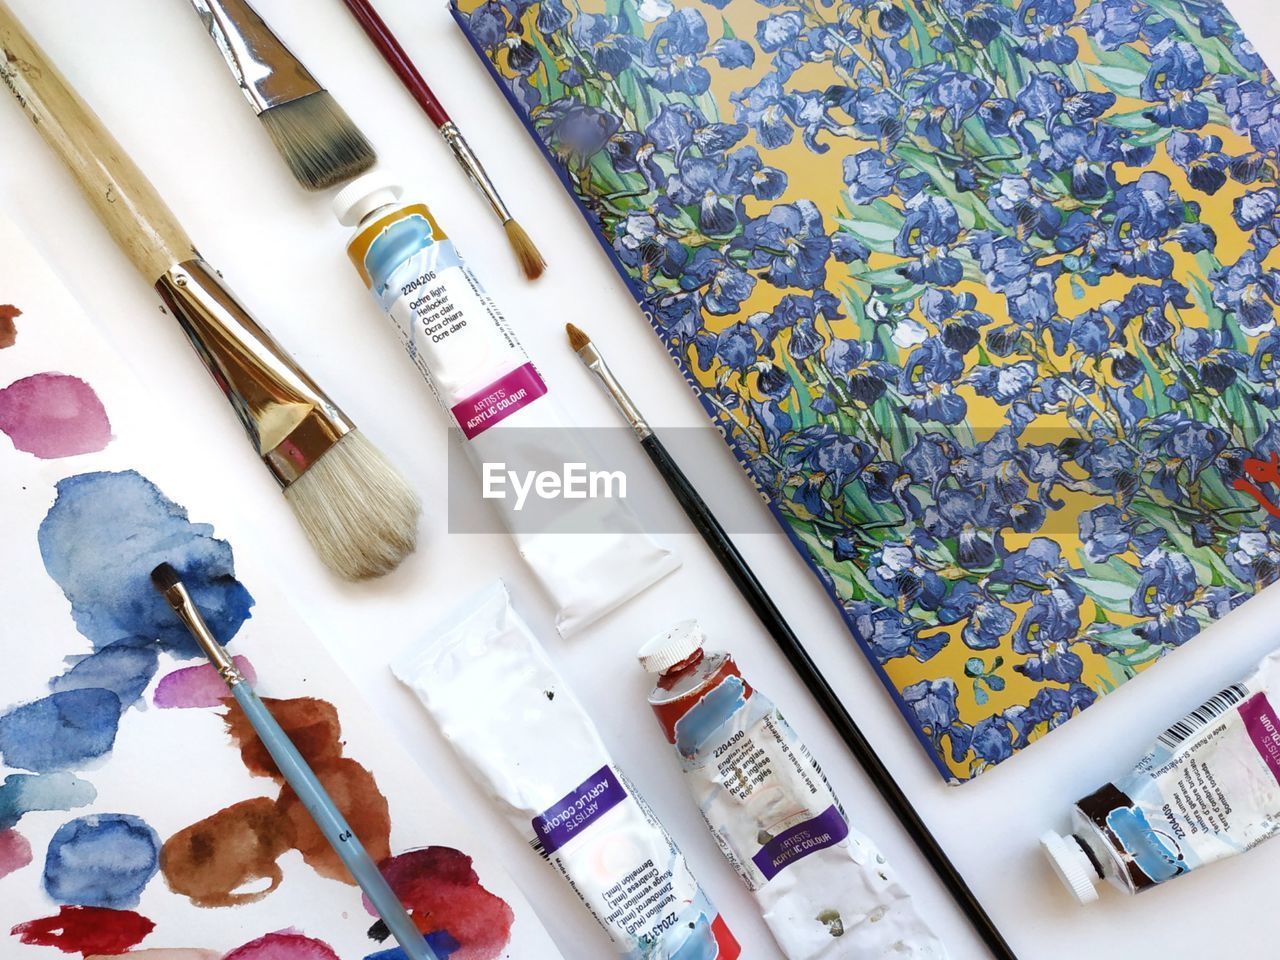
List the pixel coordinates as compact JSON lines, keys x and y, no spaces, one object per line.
{"x":784,"y":637}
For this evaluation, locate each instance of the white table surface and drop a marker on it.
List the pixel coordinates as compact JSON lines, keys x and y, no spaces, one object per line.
{"x":157,"y":81}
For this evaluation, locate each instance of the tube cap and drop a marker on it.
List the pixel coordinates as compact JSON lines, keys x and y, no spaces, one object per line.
{"x":1072,"y":865}
{"x":364,"y":195}
{"x":667,"y":649}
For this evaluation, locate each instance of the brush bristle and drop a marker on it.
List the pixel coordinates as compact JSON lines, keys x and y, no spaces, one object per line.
{"x":164,"y":577}
{"x":531,"y":261}
{"x":577,"y":339}
{"x":318,"y":140}
{"x":358,"y":513}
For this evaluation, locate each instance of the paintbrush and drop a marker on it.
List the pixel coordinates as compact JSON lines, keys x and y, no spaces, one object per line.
{"x":733,"y":563}
{"x":295,"y":769}
{"x":317,"y":139}
{"x":355,"y":509}
{"x":531,"y":261}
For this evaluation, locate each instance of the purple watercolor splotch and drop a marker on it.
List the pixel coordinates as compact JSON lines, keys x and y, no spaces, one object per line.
{"x":54,"y":415}
{"x":198,"y":686}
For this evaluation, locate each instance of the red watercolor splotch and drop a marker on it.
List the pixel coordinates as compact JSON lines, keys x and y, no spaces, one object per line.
{"x":8,"y":329}
{"x":53,"y":415}
{"x":199,"y":686}
{"x":442,"y":891}
{"x":284,"y":945}
{"x":15,"y":852}
{"x":86,"y":930}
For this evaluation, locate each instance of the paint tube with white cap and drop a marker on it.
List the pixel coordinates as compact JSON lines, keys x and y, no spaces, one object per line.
{"x":590,"y":554}
{"x":824,"y":889}
{"x":1208,"y":789}
{"x":526,"y":739}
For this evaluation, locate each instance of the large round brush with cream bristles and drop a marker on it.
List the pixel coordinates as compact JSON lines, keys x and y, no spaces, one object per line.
{"x":356,"y":510}
{"x":314,"y":135}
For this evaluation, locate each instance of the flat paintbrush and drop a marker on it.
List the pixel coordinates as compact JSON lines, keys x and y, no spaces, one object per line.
{"x":295,"y":769}
{"x":355,"y":509}
{"x":771,"y":617}
{"x":314,"y":135}
{"x":531,"y":261}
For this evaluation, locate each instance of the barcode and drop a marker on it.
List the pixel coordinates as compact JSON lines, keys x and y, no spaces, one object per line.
{"x":539,"y":848}
{"x":1213,"y":707}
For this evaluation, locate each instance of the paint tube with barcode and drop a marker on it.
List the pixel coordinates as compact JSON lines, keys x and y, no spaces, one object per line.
{"x":527,"y":741}
{"x":1208,"y":789}
{"x":586,"y":546}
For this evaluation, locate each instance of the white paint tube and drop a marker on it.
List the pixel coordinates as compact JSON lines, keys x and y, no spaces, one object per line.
{"x":526,"y":740}
{"x":824,"y":889}
{"x":1208,"y":789}
{"x":590,"y":553}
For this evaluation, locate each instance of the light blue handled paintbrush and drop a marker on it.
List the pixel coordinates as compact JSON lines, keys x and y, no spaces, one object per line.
{"x":298,"y":773}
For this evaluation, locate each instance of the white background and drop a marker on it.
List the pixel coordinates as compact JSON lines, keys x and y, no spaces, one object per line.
{"x":157,"y":81}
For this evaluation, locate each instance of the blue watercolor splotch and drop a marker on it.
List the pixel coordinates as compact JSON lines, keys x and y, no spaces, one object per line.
{"x":125,"y":668}
{"x":441,"y":942}
{"x":23,"y":793}
{"x":61,"y":731}
{"x":105,"y":860}
{"x":100,"y":541}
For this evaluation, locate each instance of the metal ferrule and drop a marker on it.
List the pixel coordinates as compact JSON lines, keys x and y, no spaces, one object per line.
{"x":469,"y":162}
{"x":264,"y":68}
{"x":189,"y":614}
{"x":288,"y":417}
{"x":595,"y":363}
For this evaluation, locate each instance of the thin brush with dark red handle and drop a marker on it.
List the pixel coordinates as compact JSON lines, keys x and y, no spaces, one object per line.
{"x":733,"y":563}
{"x":531,"y":261}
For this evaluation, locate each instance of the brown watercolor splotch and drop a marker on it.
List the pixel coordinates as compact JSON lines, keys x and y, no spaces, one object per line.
{"x":356,"y":793}
{"x":212,"y":861}
{"x":311,"y":724}
{"x":222,"y":860}
{"x":8,"y":329}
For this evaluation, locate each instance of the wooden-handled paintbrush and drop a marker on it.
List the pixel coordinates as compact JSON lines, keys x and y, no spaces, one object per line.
{"x":527,"y":254}
{"x":355,"y":509}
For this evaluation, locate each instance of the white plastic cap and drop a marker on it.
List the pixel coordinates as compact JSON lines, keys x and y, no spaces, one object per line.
{"x":1072,"y":865}
{"x":362,"y":196}
{"x":667,"y":649}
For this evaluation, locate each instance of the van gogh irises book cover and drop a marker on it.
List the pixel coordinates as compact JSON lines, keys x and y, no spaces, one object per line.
{"x":983,"y":294}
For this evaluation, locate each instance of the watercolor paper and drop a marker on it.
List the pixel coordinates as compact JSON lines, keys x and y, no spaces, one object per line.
{"x":139,"y":814}
{"x":982,"y":294}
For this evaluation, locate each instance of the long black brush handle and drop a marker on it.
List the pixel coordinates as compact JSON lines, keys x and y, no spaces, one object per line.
{"x":754,"y":593}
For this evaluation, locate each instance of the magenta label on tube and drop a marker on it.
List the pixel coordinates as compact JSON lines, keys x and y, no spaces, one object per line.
{"x":1264,"y":730}
{"x":825,"y":830}
{"x":509,"y":393}
{"x":577,"y":810}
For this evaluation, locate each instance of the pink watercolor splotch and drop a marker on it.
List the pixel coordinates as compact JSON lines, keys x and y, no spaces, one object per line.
{"x":15,"y":852}
{"x":198,"y":686}
{"x":284,"y":945}
{"x":54,"y":415}
{"x":444,"y":895}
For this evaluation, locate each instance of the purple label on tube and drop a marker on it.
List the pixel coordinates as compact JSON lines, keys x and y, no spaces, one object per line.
{"x":1264,"y":730}
{"x":825,"y":830}
{"x":577,"y":810}
{"x":499,"y":400}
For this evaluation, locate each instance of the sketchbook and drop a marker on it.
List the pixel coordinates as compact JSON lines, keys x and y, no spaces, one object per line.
{"x":981,"y":295}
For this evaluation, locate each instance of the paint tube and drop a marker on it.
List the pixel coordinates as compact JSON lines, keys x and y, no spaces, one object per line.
{"x":499,"y":702}
{"x":461,"y":344}
{"x":1208,"y":789}
{"x":825,"y":891}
